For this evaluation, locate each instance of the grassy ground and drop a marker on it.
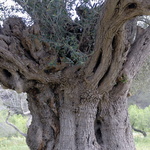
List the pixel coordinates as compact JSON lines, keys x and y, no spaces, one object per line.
{"x":18,"y":143}
{"x":142,"y":143}
{"x":13,"y":143}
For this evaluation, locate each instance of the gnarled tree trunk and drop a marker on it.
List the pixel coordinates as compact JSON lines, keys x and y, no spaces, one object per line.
{"x":81,"y":107}
{"x":63,"y":117}
{"x":113,"y":121}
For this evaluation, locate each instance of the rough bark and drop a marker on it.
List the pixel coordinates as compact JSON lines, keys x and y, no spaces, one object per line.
{"x":65,"y":118}
{"x":113,"y":121}
{"x":77,"y":107}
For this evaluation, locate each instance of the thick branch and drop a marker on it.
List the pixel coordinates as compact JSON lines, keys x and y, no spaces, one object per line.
{"x":16,"y":66}
{"x":140,"y":50}
{"x":114,"y":15}
{"x":24,"y":58}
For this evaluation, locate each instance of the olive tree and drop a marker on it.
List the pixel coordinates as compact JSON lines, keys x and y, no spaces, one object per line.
{"x":76,"y":73}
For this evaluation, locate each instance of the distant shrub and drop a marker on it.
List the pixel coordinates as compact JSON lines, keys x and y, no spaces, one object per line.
{"x":18,"y":120}
{"x":140,"y":117}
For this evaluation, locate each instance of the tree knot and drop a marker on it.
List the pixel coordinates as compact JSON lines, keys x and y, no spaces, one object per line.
{"x":13,"y":26}
{"x":90,"y":97}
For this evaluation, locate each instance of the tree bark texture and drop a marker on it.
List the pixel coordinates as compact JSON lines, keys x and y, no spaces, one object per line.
{"x":113,"y":121}
{"x":81,"y":107}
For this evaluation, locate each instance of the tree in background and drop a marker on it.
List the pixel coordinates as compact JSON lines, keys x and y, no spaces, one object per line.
{"x":14,"y":104}
{"x":140,"y":89}
{"x":76,"y":73}
{"x":140,"y":119}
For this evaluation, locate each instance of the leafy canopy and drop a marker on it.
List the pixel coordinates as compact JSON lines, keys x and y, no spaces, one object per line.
{"x":67,"y":25}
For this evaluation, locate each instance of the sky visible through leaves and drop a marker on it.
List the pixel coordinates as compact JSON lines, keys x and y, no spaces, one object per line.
{"x":11,"y":3}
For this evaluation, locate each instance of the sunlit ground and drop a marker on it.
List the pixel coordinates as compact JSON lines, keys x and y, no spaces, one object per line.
{"x":18,"y":143}
{"x":141,"y":142}
{"x":13,"y":143}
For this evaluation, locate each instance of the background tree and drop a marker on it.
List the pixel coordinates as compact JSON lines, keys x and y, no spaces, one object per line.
{"x":140,"y":119}
{"x":76,"y":73}
{"x":140,"y":89}
{"x":17,"y":104}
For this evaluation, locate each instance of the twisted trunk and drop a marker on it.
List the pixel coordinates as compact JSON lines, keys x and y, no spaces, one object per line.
{"x":63,"y":119}
{"x":77,"y":107}
{"x":113,"y":120}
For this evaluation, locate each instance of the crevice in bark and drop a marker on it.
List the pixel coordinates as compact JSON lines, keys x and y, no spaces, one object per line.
{"x":21,"y":75}
{"x":146,"y":41}
{"x":98,"y":62}
{"x":118,"y":3}
{"x":114,"y":42}
{"x":7,"y":73}
{"x":97,"y":128}
{"x":34,"y":91}
{"x":105,"y":75}
{"x":48,"y":71}
{"x":132,"y":6}
{"x":98,"y":132}
{"x":31,"y":57}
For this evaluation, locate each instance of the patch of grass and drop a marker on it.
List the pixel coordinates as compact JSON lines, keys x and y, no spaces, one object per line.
{"x":142,"y":143}
{"x":19,"y":143}
{"x":13,"y":143}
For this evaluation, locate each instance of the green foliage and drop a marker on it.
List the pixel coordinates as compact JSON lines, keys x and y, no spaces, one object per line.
{"x":5,"y":130}
{"x":140,"y":117}
{"x":63,"y":33}
{"x":20,"y":122}
{"x":72,"y":36}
